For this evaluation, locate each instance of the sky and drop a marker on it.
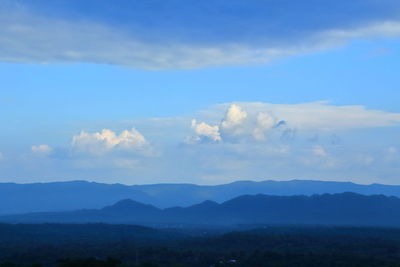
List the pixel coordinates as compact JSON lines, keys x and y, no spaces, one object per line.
{"x":204,"y":92}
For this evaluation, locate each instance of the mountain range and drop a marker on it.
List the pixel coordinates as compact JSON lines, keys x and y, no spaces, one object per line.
{"x":74,"y":195}
{"x":327,"y":209}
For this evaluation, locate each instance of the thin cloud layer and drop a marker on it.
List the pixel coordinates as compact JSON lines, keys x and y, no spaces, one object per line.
{"x":185,"y":34}
{"x":42,"y":150}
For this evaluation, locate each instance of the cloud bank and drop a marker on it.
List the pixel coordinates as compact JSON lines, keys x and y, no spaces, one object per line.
{"x":226,"y":142}
{"x":185,"y":34}
{"x":255,"y":121}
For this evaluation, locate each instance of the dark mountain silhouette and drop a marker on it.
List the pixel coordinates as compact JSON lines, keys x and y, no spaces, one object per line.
{"x":64,"y":196}
{"x":326,"y":209}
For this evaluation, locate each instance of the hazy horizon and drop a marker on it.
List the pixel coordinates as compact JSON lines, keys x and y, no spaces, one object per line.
{"x":198,"y":184}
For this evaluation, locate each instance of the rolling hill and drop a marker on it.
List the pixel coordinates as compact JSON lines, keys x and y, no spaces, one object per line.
{"x":327,"y":209}
{"x":68,"y":196}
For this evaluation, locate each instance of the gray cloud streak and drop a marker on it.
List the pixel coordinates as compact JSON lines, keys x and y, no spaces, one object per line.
{"x":234,"y":34}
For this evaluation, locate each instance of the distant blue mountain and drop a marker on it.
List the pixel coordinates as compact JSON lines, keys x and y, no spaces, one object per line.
{"x":64,"y":196}
{"x":328,"y":209}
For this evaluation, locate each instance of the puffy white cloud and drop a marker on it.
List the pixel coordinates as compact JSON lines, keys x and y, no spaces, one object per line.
{"x":234,"y":117}
{"x":363,"y":155}
{"x":257,"y":121}
{"x":237,"y":124}
{"x":203,"y":130}
{"x":316,"y":116}
{"x":234,"y":120}
{"x":102,"y":142}
{"x":42,"y":150}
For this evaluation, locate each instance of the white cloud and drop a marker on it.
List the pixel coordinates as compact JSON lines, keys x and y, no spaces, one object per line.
{"x":256,"y":121}
{"x":203,"y":130}
{"x":232,"y":124}
{"x":317,"y":116}
{"x":377,"y":29}
{"x":25,"y":38}
{"x":30,"y":38}
{"x":235,"y":125}
{"x":234,"y":117}
{"x":42,"y":150}
{"x":265,"y":122}
{"x":238,"y":123}
{"x":364,"y":155}
{"x":102,"y":142}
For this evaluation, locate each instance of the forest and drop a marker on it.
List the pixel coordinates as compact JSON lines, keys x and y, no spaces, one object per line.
{"x":65,"y":245}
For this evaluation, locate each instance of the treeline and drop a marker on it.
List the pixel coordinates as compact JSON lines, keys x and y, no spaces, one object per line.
{"x":255,"y":258}
{"x":119,"y":246}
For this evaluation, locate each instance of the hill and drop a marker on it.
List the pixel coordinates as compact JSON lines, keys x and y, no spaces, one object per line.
{"x":68,"y":196}
{"x":327,"y":209}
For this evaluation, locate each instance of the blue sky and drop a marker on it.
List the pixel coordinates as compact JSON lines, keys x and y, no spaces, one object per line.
{"x":210,"y":92}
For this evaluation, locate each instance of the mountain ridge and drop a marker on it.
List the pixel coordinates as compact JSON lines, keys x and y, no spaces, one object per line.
{"x":347,"y":208}
{"x":72,"y":195}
